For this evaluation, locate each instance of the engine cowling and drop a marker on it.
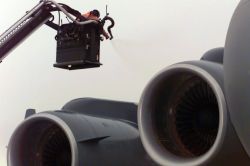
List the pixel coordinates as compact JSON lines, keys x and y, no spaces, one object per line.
{"x":183,"y":118}
{"x":86,"y":132}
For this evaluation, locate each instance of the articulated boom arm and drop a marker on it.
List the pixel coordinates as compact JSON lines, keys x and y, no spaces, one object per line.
{"x":32,"y":20}
{"x":22,"y":28}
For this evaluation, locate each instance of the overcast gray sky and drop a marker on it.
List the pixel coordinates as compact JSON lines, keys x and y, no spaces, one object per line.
{"x":149,"y":35}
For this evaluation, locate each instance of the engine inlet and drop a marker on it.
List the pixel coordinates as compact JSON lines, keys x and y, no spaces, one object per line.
{"x":54,"y":148}
{"x":40,"y":141}
{"x":191,"y":120}
{"x":195,"y":117}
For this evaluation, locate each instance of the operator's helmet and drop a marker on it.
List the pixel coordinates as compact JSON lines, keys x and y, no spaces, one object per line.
{"x":95,"y":13}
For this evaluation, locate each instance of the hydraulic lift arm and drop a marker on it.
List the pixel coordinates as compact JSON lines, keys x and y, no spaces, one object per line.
{"x":22,"y":28}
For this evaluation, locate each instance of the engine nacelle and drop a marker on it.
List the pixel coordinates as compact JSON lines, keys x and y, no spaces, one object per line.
{"x":183,"y":118}
{"x":81,"y":134}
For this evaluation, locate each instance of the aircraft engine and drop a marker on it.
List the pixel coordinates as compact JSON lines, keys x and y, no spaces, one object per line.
{"x":183,"y":118}
{"x":86,"y":132}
